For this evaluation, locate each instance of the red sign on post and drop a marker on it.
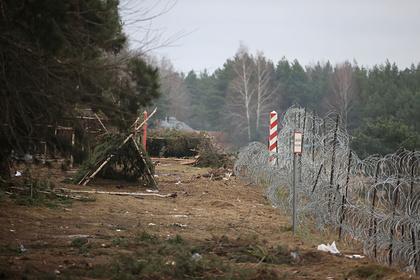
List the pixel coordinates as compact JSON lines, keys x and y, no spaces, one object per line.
{"x":297,"y":142}
{"x":145,"y":130}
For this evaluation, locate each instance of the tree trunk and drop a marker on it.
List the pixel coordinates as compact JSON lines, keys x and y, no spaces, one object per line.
{"x":4,"y":165}
{"x":257,"y":125}
{"x":248,"y":120}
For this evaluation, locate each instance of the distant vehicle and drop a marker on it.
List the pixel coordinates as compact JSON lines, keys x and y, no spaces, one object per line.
{"x":173,"y":123}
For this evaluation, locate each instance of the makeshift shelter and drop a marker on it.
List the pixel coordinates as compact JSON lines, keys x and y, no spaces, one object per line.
{"x":119,"y":156}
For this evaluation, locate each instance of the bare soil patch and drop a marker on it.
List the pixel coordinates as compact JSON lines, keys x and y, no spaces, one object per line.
{"x":213,"y":229}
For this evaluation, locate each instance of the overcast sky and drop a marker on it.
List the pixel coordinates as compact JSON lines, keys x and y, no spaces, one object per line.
{"x":369,"y":31}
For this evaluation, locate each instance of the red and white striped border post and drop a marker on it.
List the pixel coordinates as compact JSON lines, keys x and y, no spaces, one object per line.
{"x":145,"y":130}
{"x":272,"y":146}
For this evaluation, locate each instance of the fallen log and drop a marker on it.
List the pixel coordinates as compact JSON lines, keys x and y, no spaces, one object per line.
{"x":69,"y":196}
{"x":189,"y":162}
{"x":173,"y":195}
{"x":55,"y":193}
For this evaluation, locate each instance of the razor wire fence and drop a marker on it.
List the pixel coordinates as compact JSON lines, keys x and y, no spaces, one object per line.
{"x":375,"y":201}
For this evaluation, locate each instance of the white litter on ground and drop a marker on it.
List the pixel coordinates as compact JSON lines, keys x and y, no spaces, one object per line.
{"x":330,"y":248}
{"x":152,"y":191}
{"x":354,"y":256}
{"x":179,"y":225}
{"x":22,"y":248}
{"x":196,"y":257}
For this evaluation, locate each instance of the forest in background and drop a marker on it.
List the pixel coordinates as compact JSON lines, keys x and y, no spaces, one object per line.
{"x":58,"y":57}
{"x":379,"y":105}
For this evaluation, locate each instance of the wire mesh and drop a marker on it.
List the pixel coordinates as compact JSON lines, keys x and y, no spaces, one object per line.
{"x":375,"y":201}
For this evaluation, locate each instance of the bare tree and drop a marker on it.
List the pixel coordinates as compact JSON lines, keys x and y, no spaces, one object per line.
{"x":242,"y":92}
{"x":138,"y":21}
{"x":174,"y":91}
{"x":342,"y":90}
{"x":264,"y":70}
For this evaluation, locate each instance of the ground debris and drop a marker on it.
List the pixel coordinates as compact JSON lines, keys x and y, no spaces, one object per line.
{"x":170,"y":195}
{"x":179,"y":225}
{"x":219,"y":174}
{"x":22,"y":248}
{"x":234,"y":239}
{"x":330,"y":248}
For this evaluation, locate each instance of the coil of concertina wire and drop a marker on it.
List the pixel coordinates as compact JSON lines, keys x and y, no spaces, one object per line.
{"x":375,"y":201}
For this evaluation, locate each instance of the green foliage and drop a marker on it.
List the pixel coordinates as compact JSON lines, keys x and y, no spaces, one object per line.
{"x":79,"y":242}
{"x":82,"y":244}
{"x":383,"y":136}
{"x":177,"y":240}
{"x":56,"y":55}
{"x":108,"y":144}
{"x":120,"y":241}
{"x":51,"y":51}
{"x":207,"y":94}
{"x":147,"y":238}
{"x":211,"y":156}
{"x":389,"y":108}
{"x":174,"y":143}
{"x":249,"y":249}
{"x":382,"y":110}
{"x":370,"y":272}
{"x":35,"y":192}
{"x":10,"y":250}
{"x":125,"y":164}
{"x":134,"y":91}
{"x":155,"y":258}
{"x":177,"y":258}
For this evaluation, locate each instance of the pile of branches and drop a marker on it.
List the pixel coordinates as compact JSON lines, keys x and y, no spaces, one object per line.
{"x":174,"y":143}
{"x":210,"y":155}
{"x":125,"y":164}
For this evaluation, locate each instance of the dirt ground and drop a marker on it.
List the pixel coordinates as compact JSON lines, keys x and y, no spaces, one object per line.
{"x":69,"y":240}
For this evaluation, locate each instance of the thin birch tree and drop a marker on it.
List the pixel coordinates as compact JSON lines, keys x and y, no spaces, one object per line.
{"x":342,"y":89}
{"x":242,"y":93}
{"x":265,"y":89}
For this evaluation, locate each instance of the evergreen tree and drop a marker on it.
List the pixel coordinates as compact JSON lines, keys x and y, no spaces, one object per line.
{"x":57,"y":54}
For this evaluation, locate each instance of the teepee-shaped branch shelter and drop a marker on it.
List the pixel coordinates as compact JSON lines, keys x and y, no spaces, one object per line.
{"x":128,"y":153}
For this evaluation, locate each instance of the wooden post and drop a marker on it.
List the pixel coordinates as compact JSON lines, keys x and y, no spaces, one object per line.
{"x":413,"y":233}
{"x":317,"y":177}
{"x":344,"y":200}
{"x":294,"y":214}
{"x":148,"y":171}
{"x":303,"y":141}
{"x":372,"y":231}
{"x":394,"y":209}
{"x":101,"y":123}
{"x":333,"y":162}
{"x":297,"y":150}
{"x":313,"y":137}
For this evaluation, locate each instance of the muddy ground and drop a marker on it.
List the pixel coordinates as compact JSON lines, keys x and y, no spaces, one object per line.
{"x":213,"y":229}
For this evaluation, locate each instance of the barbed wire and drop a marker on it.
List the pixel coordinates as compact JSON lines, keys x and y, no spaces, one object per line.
{"x":375,"y":201}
